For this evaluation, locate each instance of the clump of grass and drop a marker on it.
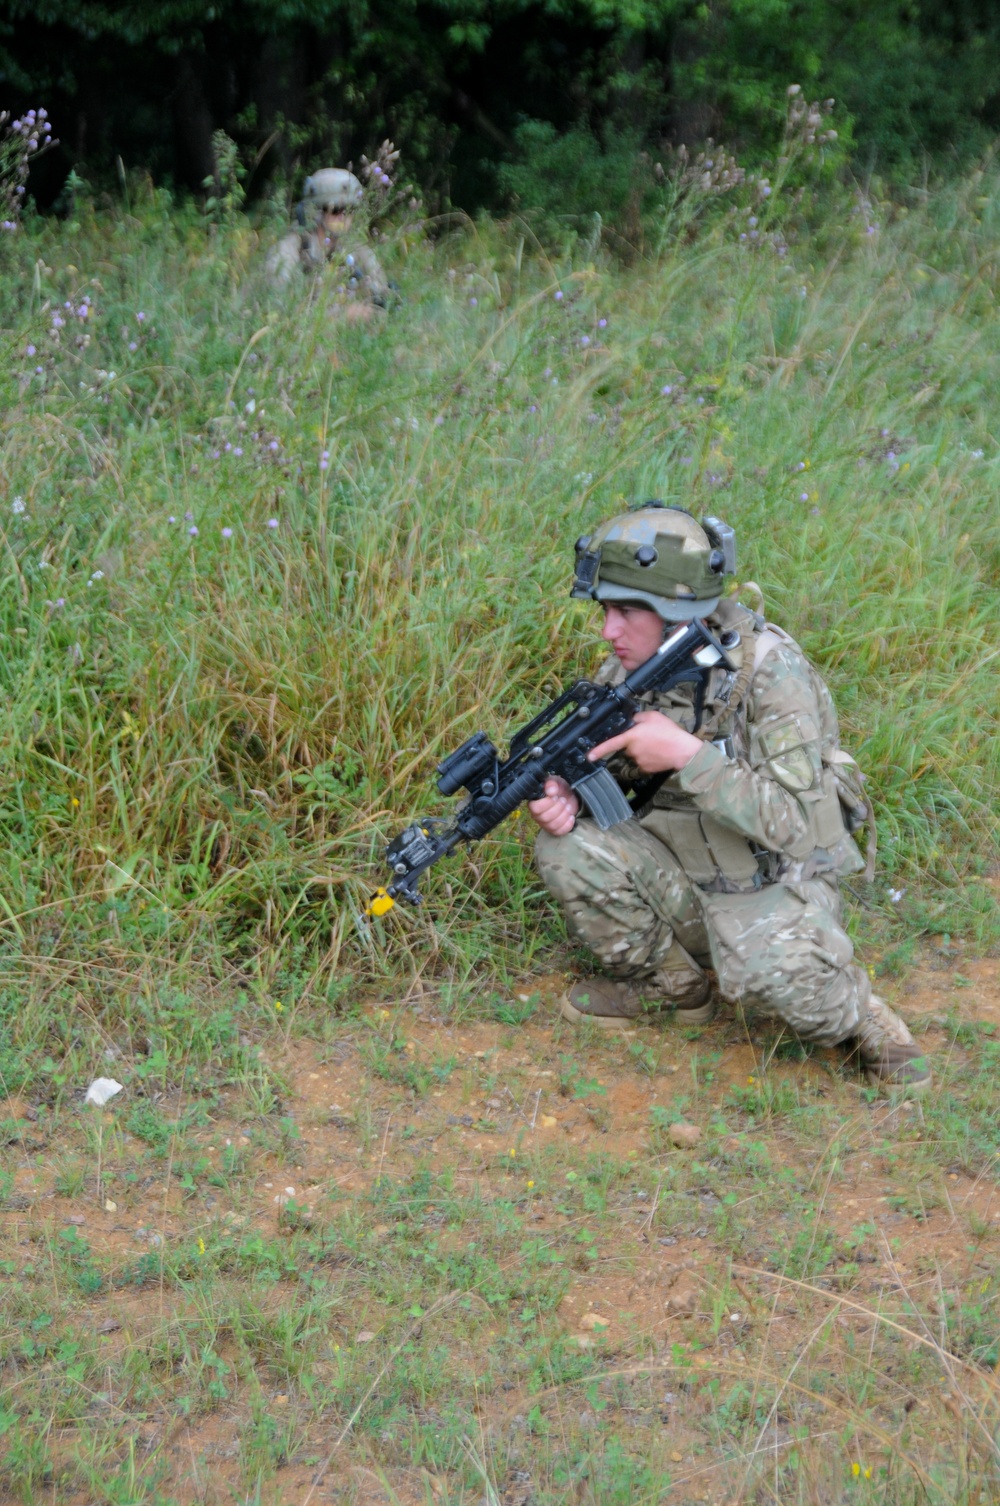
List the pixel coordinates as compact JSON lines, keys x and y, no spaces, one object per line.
{"x":264,"y":568}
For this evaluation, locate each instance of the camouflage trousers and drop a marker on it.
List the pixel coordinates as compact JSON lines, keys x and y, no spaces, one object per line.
{"x":780,"y":949}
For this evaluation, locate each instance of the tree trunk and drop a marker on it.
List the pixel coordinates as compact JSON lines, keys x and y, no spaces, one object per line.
{"x":193,"y":124}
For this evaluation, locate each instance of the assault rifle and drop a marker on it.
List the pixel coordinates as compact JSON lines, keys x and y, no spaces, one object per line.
{"x":556,"y":742}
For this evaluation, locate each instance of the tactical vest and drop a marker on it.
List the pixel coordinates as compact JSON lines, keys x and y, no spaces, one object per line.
{"x":718,"y":858}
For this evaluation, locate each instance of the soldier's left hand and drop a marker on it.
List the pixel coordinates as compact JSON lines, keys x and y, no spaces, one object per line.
{"x":653,"y":742}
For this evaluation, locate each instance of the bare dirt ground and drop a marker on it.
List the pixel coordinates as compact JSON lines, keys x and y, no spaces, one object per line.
{"x":511,"y":1099}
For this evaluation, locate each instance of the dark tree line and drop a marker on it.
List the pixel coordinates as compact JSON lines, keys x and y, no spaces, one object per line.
{"x":455,"y":81}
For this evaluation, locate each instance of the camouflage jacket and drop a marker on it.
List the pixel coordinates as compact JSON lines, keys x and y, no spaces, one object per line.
{"x":771,"y":796}
{"x":355,"y":265}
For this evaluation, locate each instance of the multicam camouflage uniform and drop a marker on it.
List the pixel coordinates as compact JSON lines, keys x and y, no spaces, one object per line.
{"x":735,"y":864}
{"x":326,"y":240}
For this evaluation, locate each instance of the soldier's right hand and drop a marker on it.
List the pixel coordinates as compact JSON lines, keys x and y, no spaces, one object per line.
{"x":557,"y":810}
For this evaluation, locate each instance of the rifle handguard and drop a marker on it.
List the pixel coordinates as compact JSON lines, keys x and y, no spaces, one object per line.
{"x":555,"y":743}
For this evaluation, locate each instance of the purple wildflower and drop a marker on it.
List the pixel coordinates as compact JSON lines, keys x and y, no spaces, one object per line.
{"x":132,"y":345}
{"x":140,"y":316}
{"x":584,"y":339}
{"x":558,"y":295}
{"x":193,"y":531}
{"x":227,"y":533}
{"x":473,"y":302}
{"x":803,"y":496}
{"x":273,"y":445}
{"x":31,"y":350}
{"x":666,"y":391}
{"x":602,"y":324}
{"x":272,"y":523}
{"x":237,"y":449}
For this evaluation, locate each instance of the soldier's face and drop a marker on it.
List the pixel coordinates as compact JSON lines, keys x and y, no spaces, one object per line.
{"x":335,"y":223}
{"x":634,"y":633}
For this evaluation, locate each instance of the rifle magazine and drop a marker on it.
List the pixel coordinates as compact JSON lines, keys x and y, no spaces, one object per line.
{"x":603,"y":798}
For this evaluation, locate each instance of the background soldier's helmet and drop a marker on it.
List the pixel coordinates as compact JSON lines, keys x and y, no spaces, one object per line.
{"x":330,"y":191}
{"x":658,"y":557}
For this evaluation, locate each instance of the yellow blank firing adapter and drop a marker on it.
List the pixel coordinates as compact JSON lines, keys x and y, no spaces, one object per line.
{"x":380,"y":903}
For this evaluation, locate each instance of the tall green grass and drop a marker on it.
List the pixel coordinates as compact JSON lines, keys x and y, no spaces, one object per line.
{"x":206,"y":738}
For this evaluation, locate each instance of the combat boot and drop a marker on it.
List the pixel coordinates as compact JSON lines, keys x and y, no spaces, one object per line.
{"x":692,"y":1001}
{"x":890,"y":1056}
{"x":611,"y":1004}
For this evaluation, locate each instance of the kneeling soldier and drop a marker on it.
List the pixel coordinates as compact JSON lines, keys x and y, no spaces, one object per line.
{"x":734,"y":862}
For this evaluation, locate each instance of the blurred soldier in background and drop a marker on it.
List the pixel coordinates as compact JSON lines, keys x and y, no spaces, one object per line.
{"x":325,"y":238}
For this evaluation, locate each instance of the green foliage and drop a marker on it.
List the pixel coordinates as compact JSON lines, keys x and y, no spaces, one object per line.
{"x":206,"y":736}
{"x":572,"y":173}
{"x":165,"y":86}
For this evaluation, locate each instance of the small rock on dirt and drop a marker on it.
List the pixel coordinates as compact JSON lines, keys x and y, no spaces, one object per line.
{"x":683,"y":1297}
{"x":594,"y":1322}
{"x":684,"y":1135}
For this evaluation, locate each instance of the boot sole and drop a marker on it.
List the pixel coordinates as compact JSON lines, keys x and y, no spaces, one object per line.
{"x":602,"y":1021}
{"x":700,"y":1015}
{"x":890,"y":1089}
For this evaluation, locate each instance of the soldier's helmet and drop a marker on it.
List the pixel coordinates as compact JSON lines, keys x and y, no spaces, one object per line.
{"x":657,"y":556}
{"x":331,"y":190}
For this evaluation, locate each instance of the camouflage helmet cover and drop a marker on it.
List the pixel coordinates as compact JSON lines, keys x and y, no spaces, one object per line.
{"x":657,"y":557}
{"x":331,"y":189}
